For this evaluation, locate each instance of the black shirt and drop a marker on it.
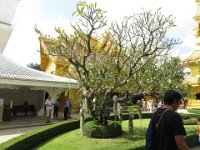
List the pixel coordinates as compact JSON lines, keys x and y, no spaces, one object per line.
{"x":170,"y":125}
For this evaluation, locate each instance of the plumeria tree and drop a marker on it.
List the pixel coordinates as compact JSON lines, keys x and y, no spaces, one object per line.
{"x":104,"y":63}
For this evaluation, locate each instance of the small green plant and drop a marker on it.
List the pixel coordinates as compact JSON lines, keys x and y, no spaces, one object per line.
{"x":185,"y":116}
{"x":95,"y":130}
{"x":192,"y":121}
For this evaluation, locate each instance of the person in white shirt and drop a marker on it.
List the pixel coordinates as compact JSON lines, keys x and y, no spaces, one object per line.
{"x":143,"y":105}
{"x":49,"y":108}
{"x":151,"y":105}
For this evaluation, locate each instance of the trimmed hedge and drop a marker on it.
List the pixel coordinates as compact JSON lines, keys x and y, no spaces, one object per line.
{"x":136,"y":116}
{"x":192,"y":140}
{"x":190,"y":121}
{"x":94,"y":130}
{"x":185,"y":116}
{"x":36,"y":137}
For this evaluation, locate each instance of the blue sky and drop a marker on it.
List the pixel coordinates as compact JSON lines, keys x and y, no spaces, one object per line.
{"x":55,"y":8}
{"x":47,"y":14}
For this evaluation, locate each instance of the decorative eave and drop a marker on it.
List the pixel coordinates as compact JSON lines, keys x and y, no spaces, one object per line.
{"x":197,"y":1}
{"x":45,"y":57}
{"x":197,"y":16}
{"x":192,"y":81}
{"x":193,"y":58}
{"x":39,"y":83}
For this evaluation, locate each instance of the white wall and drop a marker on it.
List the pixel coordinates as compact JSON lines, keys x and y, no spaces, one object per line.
{"x":18,"y":96}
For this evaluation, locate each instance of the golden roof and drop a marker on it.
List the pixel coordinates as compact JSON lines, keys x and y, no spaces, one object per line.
{"x":192,"y":81}
{"x":197,"y":1}
{"x":194,"y":57}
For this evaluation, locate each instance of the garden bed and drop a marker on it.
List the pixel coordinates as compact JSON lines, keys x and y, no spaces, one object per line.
{"x":135,"y":141}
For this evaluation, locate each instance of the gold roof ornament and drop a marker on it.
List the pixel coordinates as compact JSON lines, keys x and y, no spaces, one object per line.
{"x":197,"y":16}
{"x":194,"y":57}
{"x":192,"y":81}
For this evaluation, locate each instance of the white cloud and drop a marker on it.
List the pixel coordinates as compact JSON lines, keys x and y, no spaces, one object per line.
{"x":175,"y":53}
{"x":23,"y":44}
{"x":23,"y":39}
{"x":183,"y":11}
{"x":185,"y":55}
{"x":61,"y":22}
{"x":189,"y":41}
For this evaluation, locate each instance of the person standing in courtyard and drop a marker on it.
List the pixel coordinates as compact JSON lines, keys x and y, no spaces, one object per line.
{"x":151,"y":105}
{"x":198,"y":129}
{"x":185,"y":103}
{"x":148,"y":106}
{"x":167,"y":126}
{"x":49,"y":109}
{"x":143,"y":105}
{"x":56,"y":108}
{"x":160,"y":104}
{"x":70,"y":108}
{"x":66,"y":109}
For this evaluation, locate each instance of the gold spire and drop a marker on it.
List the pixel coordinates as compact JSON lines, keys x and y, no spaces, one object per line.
{"x":197,"y":16}
{"x":197,"y":1}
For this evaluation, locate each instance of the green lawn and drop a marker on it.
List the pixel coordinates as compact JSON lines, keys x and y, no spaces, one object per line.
{"x":194,"y":110}
{"x":73,"y":141}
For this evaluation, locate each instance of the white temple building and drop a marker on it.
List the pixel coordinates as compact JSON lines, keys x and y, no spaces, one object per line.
{"x":19,"y":83}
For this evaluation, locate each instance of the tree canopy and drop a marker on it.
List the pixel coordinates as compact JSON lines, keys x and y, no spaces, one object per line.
{"x":35,"y":66}
{"x":108,"y":62}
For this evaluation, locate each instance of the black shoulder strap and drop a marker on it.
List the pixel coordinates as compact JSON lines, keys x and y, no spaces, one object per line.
{"x":161,"y":117}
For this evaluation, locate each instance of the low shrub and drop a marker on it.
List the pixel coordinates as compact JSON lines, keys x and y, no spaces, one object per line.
{"x":185,"y":116}
{"x":192,"y":140}
{"x":136,"y":116}
{"x":94,"y":130}
{"x":36,"y":137}
{"x":190,"y":121}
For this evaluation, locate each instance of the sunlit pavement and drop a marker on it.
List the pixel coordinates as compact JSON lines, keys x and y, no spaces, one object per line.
{"x":20,"y":125}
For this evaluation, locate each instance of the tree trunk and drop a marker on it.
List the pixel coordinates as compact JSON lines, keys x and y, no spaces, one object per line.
{"x":130,"y":123}
{"x":81,"y":120}
{"x":140,"y":115}
{"x":120,"y":118}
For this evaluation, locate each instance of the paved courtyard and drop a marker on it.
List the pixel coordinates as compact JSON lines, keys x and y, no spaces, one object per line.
{"x":20,"y":125}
